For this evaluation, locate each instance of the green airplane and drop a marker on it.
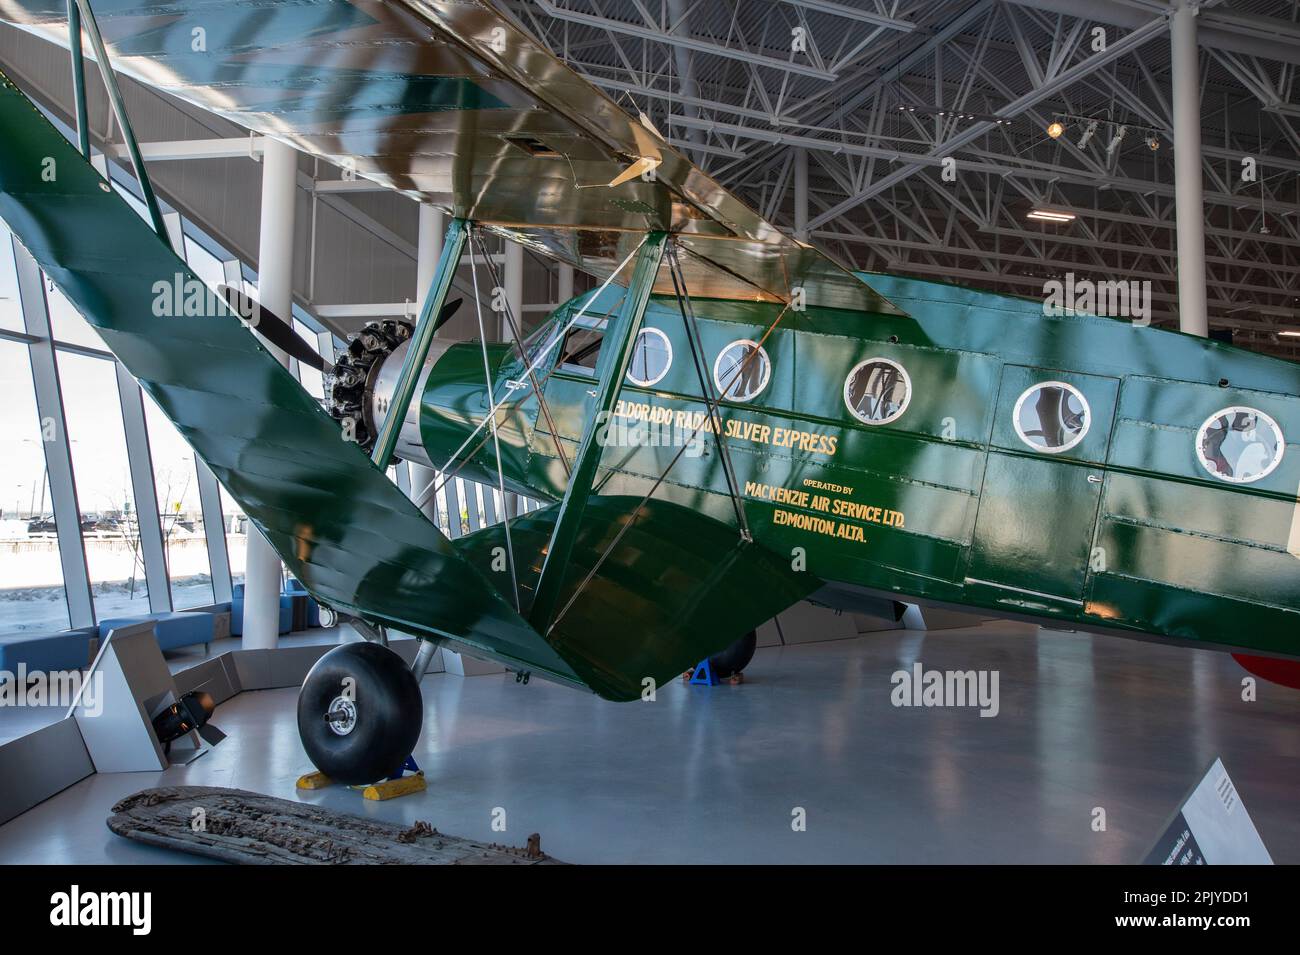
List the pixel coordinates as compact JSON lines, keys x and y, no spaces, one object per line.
{"x":729,"y":424}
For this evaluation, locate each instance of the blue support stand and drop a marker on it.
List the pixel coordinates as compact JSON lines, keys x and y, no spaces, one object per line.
{"x":703,"y":675}
{"x":408,"y":765}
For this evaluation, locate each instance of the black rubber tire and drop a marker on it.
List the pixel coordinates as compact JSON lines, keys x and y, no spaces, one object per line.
{"x":735,"y":658}
{"x":389,"y":713}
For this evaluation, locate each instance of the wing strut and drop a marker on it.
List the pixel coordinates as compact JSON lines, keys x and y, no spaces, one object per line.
{"x":706,"y":388}
{"x":421,"y":339}
{"x":78,"y":78}
{"x":496,"y":441}
{"x":617,"y":353}
{"x":119,"y":110}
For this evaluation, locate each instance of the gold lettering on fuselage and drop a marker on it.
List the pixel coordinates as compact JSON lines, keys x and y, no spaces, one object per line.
{"x":809,"y":442}
{"x":836,"y":507}
{"x":819,"y":525}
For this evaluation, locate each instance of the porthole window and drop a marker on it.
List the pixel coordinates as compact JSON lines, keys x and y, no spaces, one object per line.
{"x":1240,"y":445}
{"x":1052,"y":416}
{"x":738,"y":376}
{"x":877,"y":391}
{"x":652,"y":355}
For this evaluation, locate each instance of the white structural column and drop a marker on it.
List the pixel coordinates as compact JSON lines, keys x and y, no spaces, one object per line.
{"x":801,"y":194}
{"x":1186,"y":75}
{"x":428,"y":250}
{"x":514,"y":279}
{"x":275,"y":292}
{"x":564,"y":284}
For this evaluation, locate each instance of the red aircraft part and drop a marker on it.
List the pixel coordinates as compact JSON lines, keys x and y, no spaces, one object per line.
{"x":1285,"y":672}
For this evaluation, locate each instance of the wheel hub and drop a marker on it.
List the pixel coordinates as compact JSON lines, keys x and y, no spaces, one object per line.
{"x":341,"y":715}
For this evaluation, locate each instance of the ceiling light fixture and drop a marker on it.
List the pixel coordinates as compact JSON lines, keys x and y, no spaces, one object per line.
{"x":1050,"y":215}
{"x":1055,"y":129}
{"x":1119,"y":138}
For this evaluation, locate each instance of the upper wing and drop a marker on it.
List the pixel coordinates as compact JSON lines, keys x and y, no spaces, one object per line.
{"x":449,"y":102}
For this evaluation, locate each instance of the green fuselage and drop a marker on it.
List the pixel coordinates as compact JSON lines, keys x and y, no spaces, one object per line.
{"x":1126,"y":530}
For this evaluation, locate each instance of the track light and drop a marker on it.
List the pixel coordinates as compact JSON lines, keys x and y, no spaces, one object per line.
{"x":1153,"y":143}
{"x":1118,"y":138}
{"x":1088,"y":133}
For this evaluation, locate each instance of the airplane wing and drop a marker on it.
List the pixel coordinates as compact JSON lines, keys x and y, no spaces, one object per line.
{"x":678,"y":587}
{"x":452,"y":104}
{"x":340,"y":525}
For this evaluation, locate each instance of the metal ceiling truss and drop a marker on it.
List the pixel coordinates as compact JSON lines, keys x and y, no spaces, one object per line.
{"x":882,"y":92}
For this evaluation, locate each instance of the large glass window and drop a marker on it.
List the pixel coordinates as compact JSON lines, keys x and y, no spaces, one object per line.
{"x":877,"y":391}
{"x":67,"y":324}
{"x":176,"y":484}
{"x":204,"y":264}
{"x":310,"y":378}
{"x":110,"y":526}
{"x":31,"y":576}
{"x":1052,"y":416}
{"x":1240,"y":445}
{"x":11,"y":309}
{"x":236,"y":524}
{"x":742,"y":370}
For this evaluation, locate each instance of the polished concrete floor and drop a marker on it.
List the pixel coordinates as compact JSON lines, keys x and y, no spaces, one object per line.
{"x":717,"y":774}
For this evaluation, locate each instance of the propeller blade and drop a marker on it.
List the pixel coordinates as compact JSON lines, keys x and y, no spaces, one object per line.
{"x":272,"y":327}
{"x":448,"y":310}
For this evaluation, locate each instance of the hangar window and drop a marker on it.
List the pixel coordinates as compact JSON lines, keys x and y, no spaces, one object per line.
{"x":1240,"y":445}
{"x":652,"y":355}
{"x":877,"y":391}
{"x":742,"y":370}
{"x":1052,"y":416}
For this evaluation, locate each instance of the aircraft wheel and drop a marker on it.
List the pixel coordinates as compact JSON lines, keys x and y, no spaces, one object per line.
{"x":359,"y":713}
{"x":735,"y":658}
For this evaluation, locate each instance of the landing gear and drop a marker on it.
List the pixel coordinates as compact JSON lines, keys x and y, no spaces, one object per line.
{"x":727,"y":665}
{"x":359,"y":713}
{"x":735,"y":658}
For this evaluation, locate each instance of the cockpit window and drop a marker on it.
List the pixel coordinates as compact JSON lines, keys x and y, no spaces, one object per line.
{"x":1052,"y":416}
{"x":581,"y":346}
{"x":741,"y":370}
{"x":652,"y":355}
{"x":1240,"y":445}
{"x":877,"y":391}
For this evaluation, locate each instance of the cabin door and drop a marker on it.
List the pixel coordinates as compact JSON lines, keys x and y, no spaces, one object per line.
{"x":1037,"y":514}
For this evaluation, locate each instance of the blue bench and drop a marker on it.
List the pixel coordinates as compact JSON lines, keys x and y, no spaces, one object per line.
{"x":237,"y":612}
{"x":180,"y":629}
{"x":306,"y":611}
{"x":44,"y":652}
